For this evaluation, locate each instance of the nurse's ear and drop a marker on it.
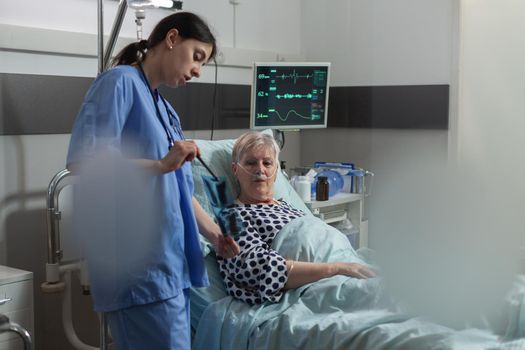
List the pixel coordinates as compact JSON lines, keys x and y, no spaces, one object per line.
{"x":171,"y":38}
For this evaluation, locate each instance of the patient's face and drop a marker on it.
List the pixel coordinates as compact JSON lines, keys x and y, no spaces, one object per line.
{"x":256,"y":172}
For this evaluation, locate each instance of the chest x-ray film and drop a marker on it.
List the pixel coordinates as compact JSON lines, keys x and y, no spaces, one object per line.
{"x":220,"y":199}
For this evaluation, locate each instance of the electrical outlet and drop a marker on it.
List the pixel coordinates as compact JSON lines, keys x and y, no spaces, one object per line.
{"x":237,"y":57}
{"x":220,"y":58}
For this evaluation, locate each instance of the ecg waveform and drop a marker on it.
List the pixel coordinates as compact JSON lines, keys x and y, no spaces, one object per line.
{"x":265,"y":116}
{"x":294,"y":76}
{"x":318,"y":75}
{"x":308,"y":96}
{"x":292,"y":96}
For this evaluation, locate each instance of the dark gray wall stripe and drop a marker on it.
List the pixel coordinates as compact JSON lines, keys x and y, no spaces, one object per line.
{"x":41,"y":104}
{"x":390,"y":107}
{"x":194,"y":105}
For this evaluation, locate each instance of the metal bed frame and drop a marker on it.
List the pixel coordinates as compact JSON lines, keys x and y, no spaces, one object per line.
{"x":7,"y":326}
{"x":58,"y":274}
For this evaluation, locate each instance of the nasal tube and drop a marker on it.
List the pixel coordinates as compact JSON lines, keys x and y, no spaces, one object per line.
{"x":258,"y":175}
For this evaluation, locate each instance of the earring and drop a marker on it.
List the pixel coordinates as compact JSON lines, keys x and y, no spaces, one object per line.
{"x":171,"y":47}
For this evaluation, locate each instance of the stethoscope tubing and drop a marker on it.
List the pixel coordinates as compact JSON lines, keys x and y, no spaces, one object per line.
{"x":171,"y":117}
{"x":177,"y":128}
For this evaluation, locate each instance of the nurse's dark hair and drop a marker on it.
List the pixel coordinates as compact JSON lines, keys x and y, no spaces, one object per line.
{"x":189,"y":26}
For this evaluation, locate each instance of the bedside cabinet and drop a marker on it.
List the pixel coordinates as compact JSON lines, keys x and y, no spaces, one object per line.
{"x":344,"y":206}
{"x":16,"y":302}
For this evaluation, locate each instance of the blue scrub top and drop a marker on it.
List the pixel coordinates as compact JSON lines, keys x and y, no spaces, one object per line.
{"x":118,"y":109}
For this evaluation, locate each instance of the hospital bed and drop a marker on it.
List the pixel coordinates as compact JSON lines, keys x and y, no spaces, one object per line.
{"x":334,"y":313}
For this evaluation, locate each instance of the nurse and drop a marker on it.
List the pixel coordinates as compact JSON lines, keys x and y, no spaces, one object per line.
{"x":146,"y":303}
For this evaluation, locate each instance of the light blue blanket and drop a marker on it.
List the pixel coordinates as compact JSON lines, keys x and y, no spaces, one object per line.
{"x":338,"y":312}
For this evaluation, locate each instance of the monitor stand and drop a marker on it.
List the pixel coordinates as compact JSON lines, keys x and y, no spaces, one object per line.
{"x":278,"y":135}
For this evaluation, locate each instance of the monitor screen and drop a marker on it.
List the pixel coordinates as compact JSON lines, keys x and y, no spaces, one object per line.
{"x":290,"y":95}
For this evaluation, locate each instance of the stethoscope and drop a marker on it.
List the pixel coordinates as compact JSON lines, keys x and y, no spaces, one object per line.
{"x":171,"y":117}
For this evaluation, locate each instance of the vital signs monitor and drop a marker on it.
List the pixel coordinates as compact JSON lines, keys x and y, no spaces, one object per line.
{"x":288,"y":95}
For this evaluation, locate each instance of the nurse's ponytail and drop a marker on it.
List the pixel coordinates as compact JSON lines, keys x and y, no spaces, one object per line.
{"x":131,"y":53}
{"x":189,"y":26}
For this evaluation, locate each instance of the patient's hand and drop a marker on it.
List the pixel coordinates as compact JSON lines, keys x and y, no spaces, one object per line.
{"x":353,"y":270}
{"x":226,"y":247}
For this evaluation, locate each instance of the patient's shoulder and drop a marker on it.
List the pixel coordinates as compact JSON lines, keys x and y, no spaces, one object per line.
{"x":285,"y":204}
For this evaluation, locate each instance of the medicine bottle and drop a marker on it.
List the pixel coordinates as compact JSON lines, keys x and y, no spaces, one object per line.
{"x":322,"y":188}
{"x":303,"y":188}
{"x":283,"y":169}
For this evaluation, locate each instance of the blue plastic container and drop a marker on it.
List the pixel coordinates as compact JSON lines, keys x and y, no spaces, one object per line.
{"x":335,"y":181}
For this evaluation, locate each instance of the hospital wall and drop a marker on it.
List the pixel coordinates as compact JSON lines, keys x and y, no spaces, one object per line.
{"x":387,"y":44}
{"x":490,"y":120}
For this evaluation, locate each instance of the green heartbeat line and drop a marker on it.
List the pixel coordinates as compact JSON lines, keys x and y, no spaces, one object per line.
{"x":294,"y":76}
{"x":291,"y":96}
{"x":265,"y":116}
{"x":288,"y":114}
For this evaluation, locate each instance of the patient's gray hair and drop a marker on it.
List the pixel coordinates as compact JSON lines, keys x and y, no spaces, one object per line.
{"x":254,"y":140}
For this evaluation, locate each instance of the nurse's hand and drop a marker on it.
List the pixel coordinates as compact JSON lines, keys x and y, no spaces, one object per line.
{"x":226,"y":247}
{"x":182,"y":151}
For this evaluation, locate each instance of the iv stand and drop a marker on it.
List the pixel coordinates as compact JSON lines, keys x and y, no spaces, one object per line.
{"x":104,"y":56}
{"x":103,"y":63}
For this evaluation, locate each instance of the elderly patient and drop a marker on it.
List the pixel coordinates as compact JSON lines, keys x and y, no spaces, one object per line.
{"x":259,"y":273}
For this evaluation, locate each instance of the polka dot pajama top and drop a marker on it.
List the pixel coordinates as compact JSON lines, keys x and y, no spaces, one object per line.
{"x":258,"y":273}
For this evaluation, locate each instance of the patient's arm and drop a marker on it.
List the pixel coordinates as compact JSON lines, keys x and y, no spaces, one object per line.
{"x":301,"y":272}
{"x":224,"y":246}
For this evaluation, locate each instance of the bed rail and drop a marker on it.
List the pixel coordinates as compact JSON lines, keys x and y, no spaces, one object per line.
{"x":7,"y":326}
{"x":54,"y":253}
{"x":58,"y":275}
